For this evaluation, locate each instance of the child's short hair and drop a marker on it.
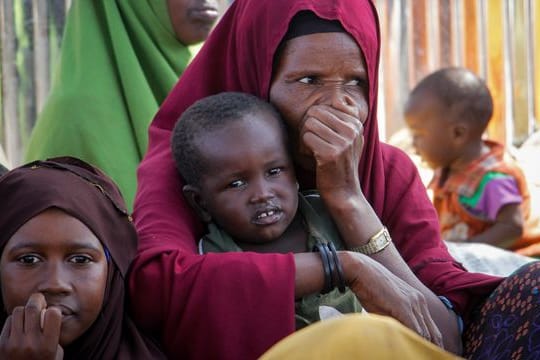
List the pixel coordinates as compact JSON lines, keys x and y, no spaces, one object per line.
{"x":461,"y":89}
{"x":206,"y":115}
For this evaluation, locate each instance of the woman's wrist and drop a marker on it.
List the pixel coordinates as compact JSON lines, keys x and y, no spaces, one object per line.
{"x":355,"y":218}
{"x":344,"y":203}
{"x":337,"y":195}
{"x":352,"y":264}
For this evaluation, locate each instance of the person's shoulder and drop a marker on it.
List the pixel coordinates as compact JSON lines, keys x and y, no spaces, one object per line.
{"x":397,"y":162}
{"x":391,"y":152}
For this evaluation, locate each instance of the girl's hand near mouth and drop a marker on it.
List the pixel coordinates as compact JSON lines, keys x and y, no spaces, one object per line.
{"x":32,"y":332}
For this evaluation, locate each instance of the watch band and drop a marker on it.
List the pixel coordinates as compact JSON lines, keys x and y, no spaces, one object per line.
{"x":376,"y":243}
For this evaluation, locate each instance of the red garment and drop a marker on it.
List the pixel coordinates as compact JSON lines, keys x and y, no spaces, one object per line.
{"x":235,"y":305}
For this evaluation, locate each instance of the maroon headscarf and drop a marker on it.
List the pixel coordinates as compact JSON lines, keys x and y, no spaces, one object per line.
{"x":237,"y":305}
{"x":90,"y":196}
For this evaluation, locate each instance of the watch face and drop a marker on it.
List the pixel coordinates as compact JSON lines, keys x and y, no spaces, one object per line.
{"x":377,"y":243}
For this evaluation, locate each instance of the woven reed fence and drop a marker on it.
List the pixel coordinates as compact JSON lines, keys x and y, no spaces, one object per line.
{"x":498,"y":39}
{"x":31,"y":32}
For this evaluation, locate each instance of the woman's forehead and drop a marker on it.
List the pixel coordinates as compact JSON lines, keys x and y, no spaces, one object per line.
{"x":54,"y":228}
{"x":337,"y":48}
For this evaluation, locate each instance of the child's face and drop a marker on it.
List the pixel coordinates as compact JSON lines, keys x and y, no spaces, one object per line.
{"x":431,"y":131}
{"x":57,"y":255}
{"x":250,"y":189}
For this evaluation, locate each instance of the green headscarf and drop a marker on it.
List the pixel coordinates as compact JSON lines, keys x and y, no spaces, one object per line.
{"x":119,"y":60}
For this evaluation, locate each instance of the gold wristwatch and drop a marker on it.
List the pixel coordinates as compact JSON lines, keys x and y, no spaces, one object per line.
{"x":376,"y":243}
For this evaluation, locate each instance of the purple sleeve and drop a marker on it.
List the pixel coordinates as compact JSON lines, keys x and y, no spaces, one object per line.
{"x":498,"y":193}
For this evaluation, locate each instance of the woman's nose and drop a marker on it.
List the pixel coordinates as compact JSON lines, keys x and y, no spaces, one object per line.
{"x":335,"y":94}
{"x":55,"y":279}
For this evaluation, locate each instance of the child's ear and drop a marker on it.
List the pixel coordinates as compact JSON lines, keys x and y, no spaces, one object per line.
{"x":194,"y":199}
{"x":460,"y":132}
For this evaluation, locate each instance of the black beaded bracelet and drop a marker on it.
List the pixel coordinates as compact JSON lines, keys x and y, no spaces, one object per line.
{"x":328,"y":276}
{"x":340,"y":277}
{"x":332,"y":264}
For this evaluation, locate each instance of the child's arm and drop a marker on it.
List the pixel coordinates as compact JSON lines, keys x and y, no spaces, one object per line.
{"x":507,"y":228}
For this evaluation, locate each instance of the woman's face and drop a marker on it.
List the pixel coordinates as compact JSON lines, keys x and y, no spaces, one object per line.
{"x":318,"y":69}
{"x":57,"y":255}
{"x":192,"y":20}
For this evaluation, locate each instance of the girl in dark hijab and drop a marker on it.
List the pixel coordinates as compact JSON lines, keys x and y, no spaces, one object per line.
{"x":66,"y":242}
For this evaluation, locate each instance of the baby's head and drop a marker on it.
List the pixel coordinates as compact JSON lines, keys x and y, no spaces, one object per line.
{"x":447,"y":112}
{"x":231,"y":149}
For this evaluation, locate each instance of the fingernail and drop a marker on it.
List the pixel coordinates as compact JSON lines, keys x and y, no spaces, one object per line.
{"x":42,"y":318}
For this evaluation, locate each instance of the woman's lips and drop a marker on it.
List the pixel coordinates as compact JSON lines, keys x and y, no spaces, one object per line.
{"x":65,"y":310}
{"x":206,"y":14}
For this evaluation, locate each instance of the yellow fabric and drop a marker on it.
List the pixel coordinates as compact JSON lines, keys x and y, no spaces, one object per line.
{"x":356,"y":336}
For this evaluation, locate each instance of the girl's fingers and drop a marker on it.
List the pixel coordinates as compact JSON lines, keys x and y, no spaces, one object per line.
{"x":17,"y":320}
{"x":42,"y":318}
{"x":32,"y":313}
{"x":52,"y":324}
{"x":6,"y":330}
{"x":59,"y":353}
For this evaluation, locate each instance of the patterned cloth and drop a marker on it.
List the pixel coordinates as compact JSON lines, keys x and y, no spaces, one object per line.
{"x":507,"y":325}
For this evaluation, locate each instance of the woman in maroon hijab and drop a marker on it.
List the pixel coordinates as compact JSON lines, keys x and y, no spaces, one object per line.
{"x":322,"y":76}
{"x":66,"y":242}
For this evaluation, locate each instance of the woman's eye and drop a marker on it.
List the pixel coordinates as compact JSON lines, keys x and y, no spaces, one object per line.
{"x":355,"y":82}
{"x":28,"y":259}
{"x":236,"y":184}
{"x":307,"y":80}
{"x":275,"y":171}
{"x":80,"y":259}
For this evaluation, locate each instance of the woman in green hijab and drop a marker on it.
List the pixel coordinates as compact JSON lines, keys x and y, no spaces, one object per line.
{"x":119,"y":60}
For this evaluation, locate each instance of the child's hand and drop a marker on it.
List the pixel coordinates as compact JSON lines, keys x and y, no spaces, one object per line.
{"x":32,"y":332}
